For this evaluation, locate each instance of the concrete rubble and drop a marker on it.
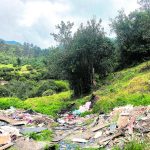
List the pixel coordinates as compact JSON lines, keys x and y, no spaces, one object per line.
{"x":16,"y":124}
{"x":71,"y":130}
{"x":117,"y":128}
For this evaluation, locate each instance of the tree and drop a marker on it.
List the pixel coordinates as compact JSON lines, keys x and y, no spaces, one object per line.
{"x":18,"y":61}
{"x":133,"y":36}
{"x":63,"y":37}
{"x":145,"y":4}
{"x":87,"y":52}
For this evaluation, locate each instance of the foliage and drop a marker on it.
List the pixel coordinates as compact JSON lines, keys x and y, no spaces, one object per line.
{"x":133,"y":32}
{"x":87,"y":51}
{"x":6,"y":103}
{"x":4,"y":92}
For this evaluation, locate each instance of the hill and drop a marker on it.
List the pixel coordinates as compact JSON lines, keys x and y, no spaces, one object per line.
{"x":129,"y":86}
{"x":12,"y":42}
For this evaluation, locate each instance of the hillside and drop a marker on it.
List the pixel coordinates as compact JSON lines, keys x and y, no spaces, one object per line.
{"x":130,"y":86}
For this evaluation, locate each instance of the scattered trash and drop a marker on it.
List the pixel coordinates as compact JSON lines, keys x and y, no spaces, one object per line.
{"x":72,"y":131}
{"x":13,"y":126}
{"x":79,"y":140}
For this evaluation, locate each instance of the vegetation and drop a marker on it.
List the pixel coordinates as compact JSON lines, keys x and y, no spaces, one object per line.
{"x":45,"y":135}
{"x":46,"y":80}
{"x":129,"y":86}
{"x":88,"y":52}
{"x":134,"y":145}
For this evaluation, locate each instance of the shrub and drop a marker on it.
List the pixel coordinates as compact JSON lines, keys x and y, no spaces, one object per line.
{"x":4,"y":92}
{"x":6,"y":103}
{"x":48,"y":92}
{"x":29,"y":68}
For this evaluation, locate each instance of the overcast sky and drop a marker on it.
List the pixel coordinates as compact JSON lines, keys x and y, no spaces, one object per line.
{"x":33,"y":20}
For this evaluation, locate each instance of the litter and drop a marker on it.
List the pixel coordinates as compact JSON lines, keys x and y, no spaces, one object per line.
{"x":79,"y":140}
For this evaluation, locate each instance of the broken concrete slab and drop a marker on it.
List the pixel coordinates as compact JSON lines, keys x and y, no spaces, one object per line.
{"x":6,"y":146}
{"x":12,"y":121}
{"x":10,"y":130}
{"x":32,"y":129}
{"x":98,"y":127}
{"x":5,"y":139}
{"x":28,"y":144}
{"x":101,"y":142}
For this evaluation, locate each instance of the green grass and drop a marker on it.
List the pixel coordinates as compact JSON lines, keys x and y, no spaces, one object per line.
{"x":6,"y":66}
{"x":134,"y":145}
{"x":129,"y":86}
{"x":49,"y":105}
{"x":45,"y":135}
{"x":6,"y":103}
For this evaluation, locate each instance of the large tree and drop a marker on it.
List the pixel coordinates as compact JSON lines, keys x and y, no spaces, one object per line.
{"x":133,"y":36}
{"x":87,"y":52}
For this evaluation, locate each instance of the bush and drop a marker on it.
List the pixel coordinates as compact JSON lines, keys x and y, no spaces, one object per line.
{"x":61,"y":85}
{"x":4,"y":92}
{"x":48,"y":92}
{"x":29,"y":68}
{"x":55,"y":86}
{"x":6,"y":103}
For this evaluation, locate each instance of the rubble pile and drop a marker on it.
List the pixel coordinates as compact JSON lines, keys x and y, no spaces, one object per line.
{"x":72,"y":131}
{"x":15,"y":124}
{"x":119,"y":127}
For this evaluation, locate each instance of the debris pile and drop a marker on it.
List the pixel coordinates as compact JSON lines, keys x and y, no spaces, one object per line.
{"x":15,"y":124}
{"x":119,"y":127}
{"x":72,"y":131}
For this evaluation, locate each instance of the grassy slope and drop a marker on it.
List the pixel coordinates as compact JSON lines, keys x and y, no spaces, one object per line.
{"x":130,"y":86}
{"x":49,"y":105}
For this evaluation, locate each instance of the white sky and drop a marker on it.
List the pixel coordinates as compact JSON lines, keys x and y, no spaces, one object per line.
{"x":33,"y":20}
